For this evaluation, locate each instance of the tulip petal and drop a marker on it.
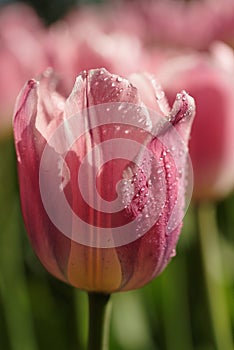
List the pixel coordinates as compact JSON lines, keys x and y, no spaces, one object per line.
{"x":94,"y":269}
{"x":98,"y":86}
{"x":45,"y":238}
{"x":153,"y":251}
{"x":151,"y":92}
{"x":94,"y":88}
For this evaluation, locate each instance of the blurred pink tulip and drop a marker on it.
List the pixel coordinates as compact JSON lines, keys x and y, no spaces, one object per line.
{"x":21,"y":55}
{"x":41,"y":112}
{"x":175,"y":23}
{"x":209,"y":77}
{"x":108,"y":18}
{"x":84,"y":43}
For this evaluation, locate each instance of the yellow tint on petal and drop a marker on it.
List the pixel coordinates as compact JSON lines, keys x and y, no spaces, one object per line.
{"x":94,"y":269}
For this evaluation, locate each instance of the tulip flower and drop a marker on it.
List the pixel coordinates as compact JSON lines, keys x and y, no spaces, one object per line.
{"x":87,"y":43}
{"x":160,"y":21}
{"x":207,"y":76}
{"x":21,"y":55}
{"x":151,"y":191}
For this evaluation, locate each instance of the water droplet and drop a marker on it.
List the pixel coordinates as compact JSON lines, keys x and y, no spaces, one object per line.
{"x":173,"y":252}
{"x":141,"y":119}
{"x":178,"y":97}
{"x":181,"y":152}
{"x":119,"y":79}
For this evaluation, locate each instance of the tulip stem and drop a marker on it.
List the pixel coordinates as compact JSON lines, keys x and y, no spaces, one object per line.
{"x":213,"y":272}
{"x":99,"y":321}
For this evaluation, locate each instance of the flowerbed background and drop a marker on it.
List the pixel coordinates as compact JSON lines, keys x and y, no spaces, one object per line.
{"x":191,"y":305}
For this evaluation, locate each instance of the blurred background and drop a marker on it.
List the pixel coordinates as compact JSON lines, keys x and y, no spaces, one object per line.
{"x":187,"y":45}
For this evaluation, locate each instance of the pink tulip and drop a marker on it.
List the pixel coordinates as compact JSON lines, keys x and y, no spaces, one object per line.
{"x":112,"y":112}
{"x":175,"y":23}
{"x":21,"y":56}
{"x":108,"y":18}
{"x":82,"y":41}
{"x":209,"y":78}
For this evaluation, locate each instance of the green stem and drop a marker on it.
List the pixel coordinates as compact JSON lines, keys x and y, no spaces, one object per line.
{"x":213,"y":271}
{"x":81,"y":307}
{"x":99,"y":320}
{"x":177,"y":334}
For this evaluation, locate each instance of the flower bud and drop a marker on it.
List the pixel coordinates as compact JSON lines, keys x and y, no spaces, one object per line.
{"x":102,"y":177}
